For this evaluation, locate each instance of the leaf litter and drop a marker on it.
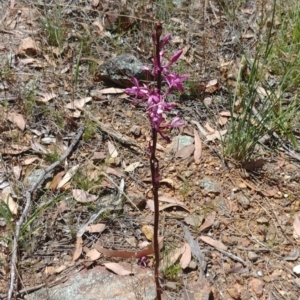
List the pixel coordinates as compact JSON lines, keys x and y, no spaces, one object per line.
{"x":111,"y":119}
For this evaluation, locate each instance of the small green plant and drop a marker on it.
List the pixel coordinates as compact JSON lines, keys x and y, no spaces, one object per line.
{"x":185,"y":188}
{"x":52,"y":156}
{"x":29,"y":100}
{"x":54,"y":26}
{"x":171,"y":272}
{"x":90,"y":129}
{"x":257,"y":107}
{"x":6,"y":214}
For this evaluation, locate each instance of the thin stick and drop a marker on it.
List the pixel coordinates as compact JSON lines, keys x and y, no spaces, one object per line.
{"x":28,"y":193}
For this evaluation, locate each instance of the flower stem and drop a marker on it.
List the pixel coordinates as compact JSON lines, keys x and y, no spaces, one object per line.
{"x":154,"y":164}
{"x":155,"y":185}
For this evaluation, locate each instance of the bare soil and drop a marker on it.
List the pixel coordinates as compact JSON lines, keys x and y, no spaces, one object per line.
{"x":253,"y":211}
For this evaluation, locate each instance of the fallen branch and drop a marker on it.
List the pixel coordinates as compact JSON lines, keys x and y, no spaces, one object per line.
{"x":113,"y":133}
{"x":14,"y":258}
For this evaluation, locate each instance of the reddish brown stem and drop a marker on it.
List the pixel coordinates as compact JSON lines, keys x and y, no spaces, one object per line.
{"x":155,"y":185}
{"x":155,"y":168}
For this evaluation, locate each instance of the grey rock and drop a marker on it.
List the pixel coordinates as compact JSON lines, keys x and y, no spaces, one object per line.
{"x":120,"y":69}
{"x":31,"y":179}
{"x":252,"y":256}
{"x":171,"y":285}
{"x":100,"y":284}
{"x":243,"y":201}
{"x":178,"y":3}
{"x":209,"y":186}
{"x":220,"y":205}
{"x":135,"y":130}
{"x":178,"y":142}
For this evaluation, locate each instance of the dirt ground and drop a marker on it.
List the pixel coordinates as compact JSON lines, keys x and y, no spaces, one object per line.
{"x":243,"y":220}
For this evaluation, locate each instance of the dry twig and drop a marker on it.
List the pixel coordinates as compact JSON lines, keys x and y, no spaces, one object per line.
{"x":28,"y":193}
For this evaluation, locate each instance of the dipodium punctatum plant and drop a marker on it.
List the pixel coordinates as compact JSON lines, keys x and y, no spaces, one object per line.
{"x":155,"y":99}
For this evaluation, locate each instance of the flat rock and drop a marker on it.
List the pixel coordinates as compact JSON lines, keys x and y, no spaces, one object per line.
{"x":208,"y":185}
{"x":120,"y":69}
{"x":101,"y":284}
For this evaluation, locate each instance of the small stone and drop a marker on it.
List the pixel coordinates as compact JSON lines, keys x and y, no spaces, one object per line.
{"x":188,"y":174}
{"x":220,"y":205}
{"x":267,"y":279}
{"x":229,"y":240}
{"x":120,"y":69}
{"x":209,"y":186}
{"x":243,"y":201}
{"x":296,"y":269}
{"x":178,"y":3}
{"x":262,"y":220}
{"x":260,"y":273}
{"x":252,"y":256}
{"x":257,"y":286}
{"x":135,"y":130}
{"x":171,"y":285}
{"x":193,"y":265}
{"x":235,"y":291}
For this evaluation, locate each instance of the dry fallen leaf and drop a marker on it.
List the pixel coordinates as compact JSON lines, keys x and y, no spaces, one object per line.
{"x":28,"y":161}
{"x":56,"y":179}
{"x":132,"y":241}
{"x":60,"y":269}
{"x":148,"y":232}
{"x":225,"y":113}
{"x":95,"y":228}
{"x":216,"y":135}
{"x":209,"y":221}
{"x":28,"y":47}
{"x":49,"y":270}
{"x":17,"y":171}
{"x":209,"y":128}
{"x":83,"y":196}
{"x":99,"y":155}
{"x":296,"y":226}
{"x":172,"y":202}
{"x":194,"y":220}
{"x":115,"y":172}
{"x":17,"y":119}
{"x":6,"y":198}
{"x":185,"y":152}
{"x":93,"y":254}
{"x":212,"y":242}
{"x":222,"y":121}
{"x":46,"y":97}
{"x":13,"y":149}
{"x":198,"y":147}
{"x":132,"y":166}
{"x":68,"y":176}
{"x":171,"y":258}
{"x":186,"y":256}
{"x":169,"y":181}
{"x":112,"y":149}
{"x":112,"y":91}
{"x":78,"y":248}
{"x":116,"y":268}
{"x":78,"y":104}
